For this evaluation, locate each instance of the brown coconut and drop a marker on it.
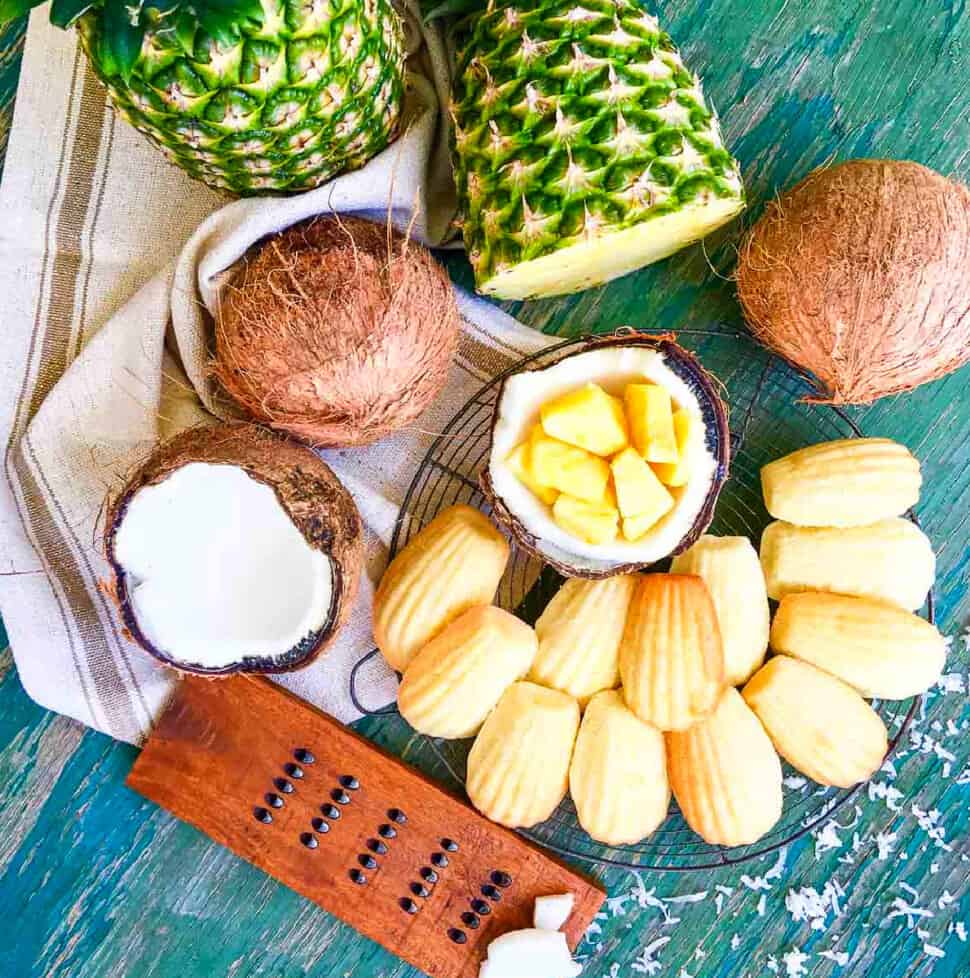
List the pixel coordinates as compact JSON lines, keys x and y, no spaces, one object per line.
{"x":316,"y":502}
{"x":337,"y":331}
{"x":715,"y":417}
{"x":860,"y":275}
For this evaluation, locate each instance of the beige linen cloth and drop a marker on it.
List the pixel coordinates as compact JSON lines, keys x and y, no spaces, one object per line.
{"x":109,"y":260}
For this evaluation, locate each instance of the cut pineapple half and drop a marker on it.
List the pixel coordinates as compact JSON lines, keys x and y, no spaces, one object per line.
{"x":612,"y":364}
{"x":590,"y":263}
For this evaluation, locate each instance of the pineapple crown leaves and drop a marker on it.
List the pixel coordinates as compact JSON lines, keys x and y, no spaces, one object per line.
{"x":124,"y":23}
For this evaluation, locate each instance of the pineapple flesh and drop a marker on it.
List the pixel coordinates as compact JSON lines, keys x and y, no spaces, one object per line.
{"x":260,"y":105}
{"x":584,"y":148}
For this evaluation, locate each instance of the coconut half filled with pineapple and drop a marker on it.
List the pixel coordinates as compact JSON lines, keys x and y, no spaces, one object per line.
{"x":610,"y":458}
{"x":234,"y":550}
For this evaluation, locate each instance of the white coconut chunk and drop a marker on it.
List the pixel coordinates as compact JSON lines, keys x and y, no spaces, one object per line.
{"x":216,"y":571}
{"x":551,"y":912}
{"x":529,"y":953}
{"x":612,"y":368}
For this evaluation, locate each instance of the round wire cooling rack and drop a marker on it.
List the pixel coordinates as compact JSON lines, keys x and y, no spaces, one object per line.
{"x":770,"y":417}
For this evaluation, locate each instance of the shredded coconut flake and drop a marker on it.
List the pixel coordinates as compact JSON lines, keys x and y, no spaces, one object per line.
{"x":929,"y":822}
{"x":885,"y":844}
{"x":827,"y":838}
{"x":890,"y":795}
{"x":911,"y":912}
{"x":794,"y":962}
{"x":688,"y":897}
{"x":806,"y":903}
{"x":646,"y":962}
{"x":839,"y":957}
{"x":951,"y":682}
{"x":946,"y":898}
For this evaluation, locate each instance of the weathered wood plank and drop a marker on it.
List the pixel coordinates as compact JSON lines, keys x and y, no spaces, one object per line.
{"x":102,"y":885}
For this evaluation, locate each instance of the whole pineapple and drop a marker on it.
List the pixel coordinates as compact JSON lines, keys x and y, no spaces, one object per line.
{"x":252,"y":96}
{"x":584,"y":148}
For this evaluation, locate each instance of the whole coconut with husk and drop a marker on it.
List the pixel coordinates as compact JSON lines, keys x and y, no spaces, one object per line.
{"x":860,"y":275}
{"x":234,"y":549}
{"x":338,"y":331}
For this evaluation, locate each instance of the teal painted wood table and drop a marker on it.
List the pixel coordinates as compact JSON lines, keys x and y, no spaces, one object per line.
{"x":97,"y":883}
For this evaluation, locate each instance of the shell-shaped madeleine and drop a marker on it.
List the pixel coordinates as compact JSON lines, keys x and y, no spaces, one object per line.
{"x":579,"y":636}
{"x":725,"y":774}
{"x":892,"y":560}
{"x":818,"y":723}
{"x":618,"y":777}
{"x":879,"y":649}
{"x":732,"y":572}
{"x":671,"y":659}
{"x":518,"y":768}
{"x":453,"y":564}
{"x":849,"y":482}
{"x":454,"y":682}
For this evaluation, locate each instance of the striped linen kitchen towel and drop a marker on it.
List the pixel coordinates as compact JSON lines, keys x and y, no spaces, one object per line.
{"x":105,"y":340}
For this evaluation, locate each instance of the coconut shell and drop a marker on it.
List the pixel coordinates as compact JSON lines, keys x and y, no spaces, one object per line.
{"x":312,"y":496}
{"x":718,"y":436}
{"x":860,"y":275}
{"x":337,"y":331}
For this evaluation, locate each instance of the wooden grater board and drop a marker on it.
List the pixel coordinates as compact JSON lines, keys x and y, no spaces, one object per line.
{"x":220,"y":758}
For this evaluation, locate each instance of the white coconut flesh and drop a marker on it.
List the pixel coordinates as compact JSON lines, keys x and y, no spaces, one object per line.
{"x":216,"y":572}
{"x":529,"y":953}
{"x":612,"y":368}
{"x":591,"y":263}
{"x":552,"y":911}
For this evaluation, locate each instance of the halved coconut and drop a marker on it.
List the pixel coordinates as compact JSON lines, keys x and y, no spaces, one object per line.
{"x":234,"y":550}
{"x":611,"y":362}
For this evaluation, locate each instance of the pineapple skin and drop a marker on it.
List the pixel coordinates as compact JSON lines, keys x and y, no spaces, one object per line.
{"x":576,"y":120}
{"x":313,"y":92}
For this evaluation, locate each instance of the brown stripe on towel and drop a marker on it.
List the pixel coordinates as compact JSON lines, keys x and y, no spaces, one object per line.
{"x":54,"y":335}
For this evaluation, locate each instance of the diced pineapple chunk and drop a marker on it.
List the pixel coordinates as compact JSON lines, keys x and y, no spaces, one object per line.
{"x":520,"y":462}
{"x":556,"y":465}
{"x":635,"y":527}
{"x":587,"y":418}
{"x":592,"y":522}
{"x":638,"y":490}
{"x":650,"y":415}
{"x":687,"y":428}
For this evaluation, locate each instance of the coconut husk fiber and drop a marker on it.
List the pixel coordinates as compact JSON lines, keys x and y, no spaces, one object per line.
{"x":860,"y":275}
{"x":337,"y":331}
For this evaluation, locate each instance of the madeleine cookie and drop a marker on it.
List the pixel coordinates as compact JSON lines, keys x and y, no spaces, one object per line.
{"x":880,"y":650}
{"x":618,"y":778}
{"x":725,"y":774}
{"x":671,"y":658}
{"x":730,"y":568}
{"x":454,"y":682}
{"x":453,"y":564}
{"x":818,"y":723}
{"x":579,"y":636}
{"x":518,"y":768}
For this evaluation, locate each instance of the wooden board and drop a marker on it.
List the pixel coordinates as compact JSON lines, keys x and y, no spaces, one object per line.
{"x":354,"y":829}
